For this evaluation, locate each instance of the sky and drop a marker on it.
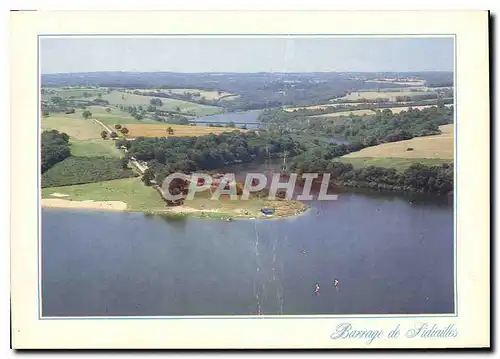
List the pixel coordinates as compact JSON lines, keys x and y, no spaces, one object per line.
{"x":263,"y":54}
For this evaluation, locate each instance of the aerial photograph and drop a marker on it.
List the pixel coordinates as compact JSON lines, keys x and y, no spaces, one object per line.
{"x":192,"y":176}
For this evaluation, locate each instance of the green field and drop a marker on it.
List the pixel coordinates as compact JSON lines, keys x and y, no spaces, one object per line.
{"x":73,"y":92}
{"x":130,"y":99}
{"x":79,"y":170}
{"x":116,"y":116}
{"x":94,"y":148}
{"x":130,"y":190}
{"x":397,"y":163}
{"x":73,"y":125}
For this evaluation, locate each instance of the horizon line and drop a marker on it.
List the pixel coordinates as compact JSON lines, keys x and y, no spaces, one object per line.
{"x":244,"y":72}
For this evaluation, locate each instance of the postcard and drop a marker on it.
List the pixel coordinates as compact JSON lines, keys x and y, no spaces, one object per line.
{"x":260,"y":179}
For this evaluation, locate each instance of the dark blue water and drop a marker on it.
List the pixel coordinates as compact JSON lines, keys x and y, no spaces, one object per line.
{"x":390,"y":256}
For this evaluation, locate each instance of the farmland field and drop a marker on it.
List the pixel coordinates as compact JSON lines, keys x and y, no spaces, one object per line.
{"x":325,"y":106}
{"x":440,"y":146}
{"x":160,"y":130}
{"x":75,"y":126}
{"x":346,"y":113}
{"x":130,"y":99}
{"x":394,"y":110}
{"x":73,"y":92}
{"x":372,"y":95}
{"x":116,"y":116}
{"x":79,"y":128}
{"x":395,"y":82}
{"x":92,"y":148}
{"x":405,"y":108}
{"x":209,"y":95}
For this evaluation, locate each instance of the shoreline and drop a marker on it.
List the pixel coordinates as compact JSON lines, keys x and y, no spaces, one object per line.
{"x":175,"y":212}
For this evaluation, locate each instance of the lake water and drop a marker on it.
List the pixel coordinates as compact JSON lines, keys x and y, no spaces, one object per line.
{"x":391,"y":256}
{"x":248,"y":118}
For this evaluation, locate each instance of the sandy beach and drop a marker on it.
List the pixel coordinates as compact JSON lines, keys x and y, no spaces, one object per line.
{"x":64,"y":203}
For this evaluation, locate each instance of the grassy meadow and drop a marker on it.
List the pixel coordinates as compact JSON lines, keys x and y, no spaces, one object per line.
{"x":129,"y":99}
{"x":94,"y":148}
{"x":428,"y":147}
{"x":129,"y":190}
{"x":209,"y":95}
{"x":75,"y":126}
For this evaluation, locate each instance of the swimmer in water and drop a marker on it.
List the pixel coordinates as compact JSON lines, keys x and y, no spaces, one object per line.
{"x":316,"y":289}
{"x":336,"y":283}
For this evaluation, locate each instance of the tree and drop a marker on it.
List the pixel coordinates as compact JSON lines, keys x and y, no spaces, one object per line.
{"x":108,"y":110}
{"x":178,"y":109}
{"x":124,"y":130}
{"x":104,"y":135}
{"x":156,"y":102}
{"x":113,"y":135}
{"x":124,"y":162}
{"x":148,"y":176}
{"x":118,"y":126}
{"x":86,"y":114}
{"x":170,"y":130}
{"x":231,"y":124}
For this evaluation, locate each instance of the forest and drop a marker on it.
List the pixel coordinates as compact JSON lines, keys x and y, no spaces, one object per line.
{"x":384,"y":126}
{"x":167,"y":155}
{"x":54,"y":148}
{"x":416,"y":178}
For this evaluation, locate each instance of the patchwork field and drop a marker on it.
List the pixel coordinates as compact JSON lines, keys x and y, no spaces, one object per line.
{"x":130,"y":99}
{"x":440,"y":147}
{"x":160,"y":130}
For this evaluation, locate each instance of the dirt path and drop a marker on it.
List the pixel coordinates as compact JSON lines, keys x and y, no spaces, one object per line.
{"x":102,"y":125}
